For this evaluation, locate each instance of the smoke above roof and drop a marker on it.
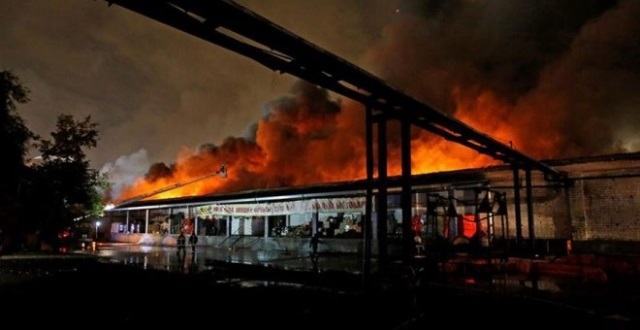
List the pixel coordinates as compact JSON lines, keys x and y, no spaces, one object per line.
{"x":554,"y":79}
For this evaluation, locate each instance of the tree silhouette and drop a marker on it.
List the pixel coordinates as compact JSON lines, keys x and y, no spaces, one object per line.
{"x":42,"y":198}
{"x":64,"y":185}
{"x":14,"y":144}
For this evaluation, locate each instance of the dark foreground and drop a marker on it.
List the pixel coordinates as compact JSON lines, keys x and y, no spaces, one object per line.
{"x":84,"y":292}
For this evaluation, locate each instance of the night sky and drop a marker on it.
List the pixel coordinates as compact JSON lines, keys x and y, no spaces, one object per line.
{"x":553,"y":78}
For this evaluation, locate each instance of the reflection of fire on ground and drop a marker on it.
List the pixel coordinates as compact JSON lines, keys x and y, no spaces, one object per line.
{"x":530,"y":269}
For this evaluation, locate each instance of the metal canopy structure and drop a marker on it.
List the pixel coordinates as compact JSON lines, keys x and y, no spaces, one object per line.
{"x":229,"y":25}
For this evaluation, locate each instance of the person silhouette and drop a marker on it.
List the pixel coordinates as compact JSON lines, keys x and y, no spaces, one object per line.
{"x":181,"y":242}
{"x":313,"y":243}
{"x":193,"y":240}
{"x":315,"y":240}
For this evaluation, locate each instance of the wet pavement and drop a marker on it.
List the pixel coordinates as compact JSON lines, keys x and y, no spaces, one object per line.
{"x":203,"y":258}
{"x":137,"y":285}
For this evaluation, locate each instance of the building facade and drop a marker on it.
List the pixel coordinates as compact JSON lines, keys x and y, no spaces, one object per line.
{"x":597,"y":209}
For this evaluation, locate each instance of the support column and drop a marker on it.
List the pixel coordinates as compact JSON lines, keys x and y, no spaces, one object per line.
{"x":405,"y":197}
{"x":146,"y":221}
{"x":266,"y":226}
{"x":127,"y":229}
{"x":516,"y":200}
{"x":382,"y":202}
{"x":367,"y":230}
{"x":196,"y":224}
{"x":532,"y":231}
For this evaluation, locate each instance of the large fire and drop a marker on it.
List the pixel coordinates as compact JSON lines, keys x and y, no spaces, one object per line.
{"x":310,"y":139}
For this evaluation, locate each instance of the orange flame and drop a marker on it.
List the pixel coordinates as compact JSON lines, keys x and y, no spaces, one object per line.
{"x":309,"y":139}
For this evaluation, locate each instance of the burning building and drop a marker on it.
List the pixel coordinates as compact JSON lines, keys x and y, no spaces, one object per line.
{"x":309,"y":137}
{"x":593,"y":211}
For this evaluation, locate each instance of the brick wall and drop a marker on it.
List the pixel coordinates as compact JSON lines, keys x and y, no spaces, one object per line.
{"x":602,"y":202}
{"x":608,"y":208}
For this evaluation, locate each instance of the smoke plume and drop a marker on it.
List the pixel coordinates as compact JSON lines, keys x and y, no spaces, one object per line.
{"x":554,"y":79}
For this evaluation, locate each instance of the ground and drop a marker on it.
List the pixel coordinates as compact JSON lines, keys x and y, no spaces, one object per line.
{"x":83,"y":291}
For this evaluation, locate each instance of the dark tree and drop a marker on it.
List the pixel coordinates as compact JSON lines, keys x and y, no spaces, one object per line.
{"x":15,"y":140}
{"x":64,"y":185}
{"x":43,"y":198}
{"x":14,"y":134}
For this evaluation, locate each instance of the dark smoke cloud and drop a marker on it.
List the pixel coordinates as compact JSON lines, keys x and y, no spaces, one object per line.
{"x":153,"y":89}
{"x":568,"y":71}
{"x":556,"y":78}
